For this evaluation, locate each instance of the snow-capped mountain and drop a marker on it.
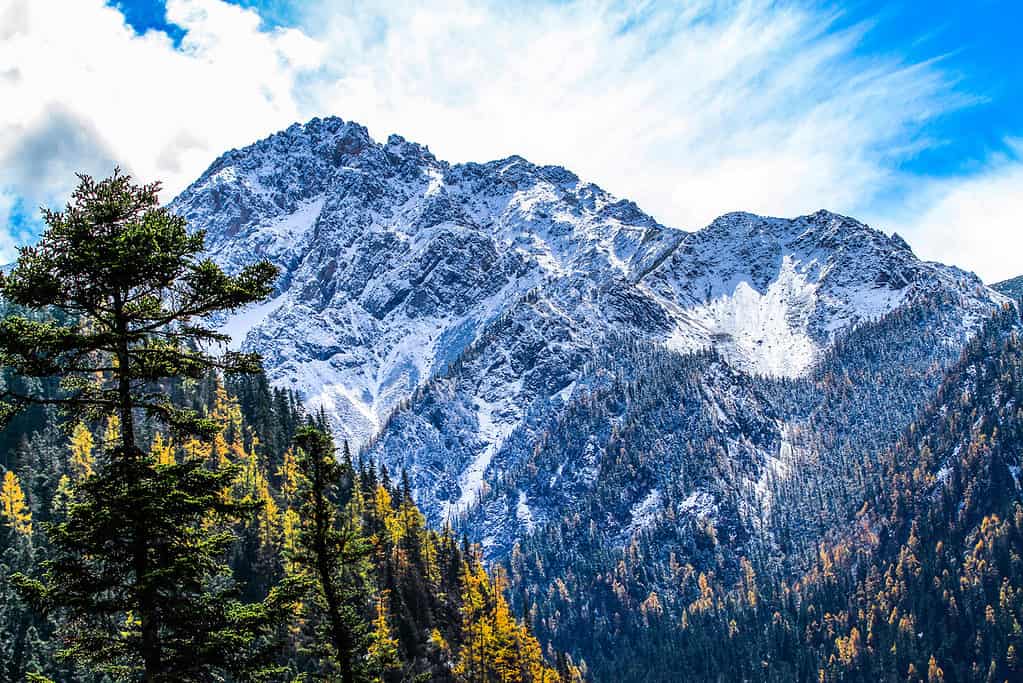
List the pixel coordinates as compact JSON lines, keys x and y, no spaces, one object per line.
{"x":474,"y":299}
{"x":395,"y":262}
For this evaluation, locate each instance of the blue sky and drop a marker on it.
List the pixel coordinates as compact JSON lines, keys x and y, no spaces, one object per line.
{"x":979,"y":41}
{"x":904,"y":114}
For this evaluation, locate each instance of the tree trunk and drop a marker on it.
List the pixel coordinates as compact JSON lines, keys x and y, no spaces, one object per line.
{"x":151,"y":655}
{"x":339,"y":633}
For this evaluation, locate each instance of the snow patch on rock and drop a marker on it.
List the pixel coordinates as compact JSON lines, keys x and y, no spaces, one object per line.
{"x":644,"y":513}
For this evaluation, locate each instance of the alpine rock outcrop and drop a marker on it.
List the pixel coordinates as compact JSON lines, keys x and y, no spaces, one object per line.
{"x":448,"y":316}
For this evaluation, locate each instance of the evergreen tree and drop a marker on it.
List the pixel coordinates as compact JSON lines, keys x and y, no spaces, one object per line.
{"x":331,"y":553}
{"x":137,"y":570}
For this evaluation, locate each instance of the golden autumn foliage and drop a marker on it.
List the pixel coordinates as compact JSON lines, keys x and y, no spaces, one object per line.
{"x":82,"y":461}
{"x":112,"y":432}
{"x":16,"y":514}
{"x":288,"y":474}
{"x":496,"y":647}
{"x":383,"y":648}
{"x":162,"y":451}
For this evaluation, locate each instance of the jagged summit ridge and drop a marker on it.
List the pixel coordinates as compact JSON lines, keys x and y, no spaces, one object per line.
{"x":394,"y":261}
{"x":396,"y":264}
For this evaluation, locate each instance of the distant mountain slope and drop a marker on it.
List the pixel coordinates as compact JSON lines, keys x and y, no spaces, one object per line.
{"x":922,"y":582}
{"x":1012,"y":287}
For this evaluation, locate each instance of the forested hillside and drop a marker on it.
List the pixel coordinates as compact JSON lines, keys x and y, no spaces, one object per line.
{"x":920,"y":580}
{"x":429,"y":608}
{"x":167,"y":516}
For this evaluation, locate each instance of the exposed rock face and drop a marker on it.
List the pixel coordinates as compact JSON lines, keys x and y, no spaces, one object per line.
{"x":476,"y":299}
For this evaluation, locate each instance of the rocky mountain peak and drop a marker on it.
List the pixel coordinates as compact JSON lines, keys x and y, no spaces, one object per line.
{"x":397,"y":265}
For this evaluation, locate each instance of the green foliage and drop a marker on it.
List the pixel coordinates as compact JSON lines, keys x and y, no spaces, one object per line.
{"x":128,"y":279}
{"x":136,"y":579}
{"x":330,"y":553}
{"x":201,"y":624}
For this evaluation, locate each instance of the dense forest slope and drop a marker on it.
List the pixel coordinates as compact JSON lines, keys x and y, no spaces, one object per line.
{"x":918,"y":557}
{"x":429,"y":609}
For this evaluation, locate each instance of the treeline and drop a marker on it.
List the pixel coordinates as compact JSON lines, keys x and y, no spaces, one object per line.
{"x":167,"y":516}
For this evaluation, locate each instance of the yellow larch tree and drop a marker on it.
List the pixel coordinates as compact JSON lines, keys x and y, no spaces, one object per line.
{"x":496,"y":646}
{"x":473,"y":658}
{"x":15,"y":511}
{"x":113,"y":432}
{"x":383,"y":649}
{"x":252,"y":487}
{"x":289,"y":474}
{"x":228,"y":445}
{"x":162,"y":451}
{"x":290,"y":525}
{"x":269,"y":518}
{"x":82,"y":445}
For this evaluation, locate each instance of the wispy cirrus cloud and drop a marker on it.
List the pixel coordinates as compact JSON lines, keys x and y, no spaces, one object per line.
{"x":692,"y":109}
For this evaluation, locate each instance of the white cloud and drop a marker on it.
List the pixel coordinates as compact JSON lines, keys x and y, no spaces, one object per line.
{"x":975,"y":222}
{"x":83,"y":91}
{"x":692,"y":110}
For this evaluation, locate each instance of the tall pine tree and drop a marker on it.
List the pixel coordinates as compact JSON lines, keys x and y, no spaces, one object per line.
{"x":330,"y":553}
{"x":137,"y":571}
